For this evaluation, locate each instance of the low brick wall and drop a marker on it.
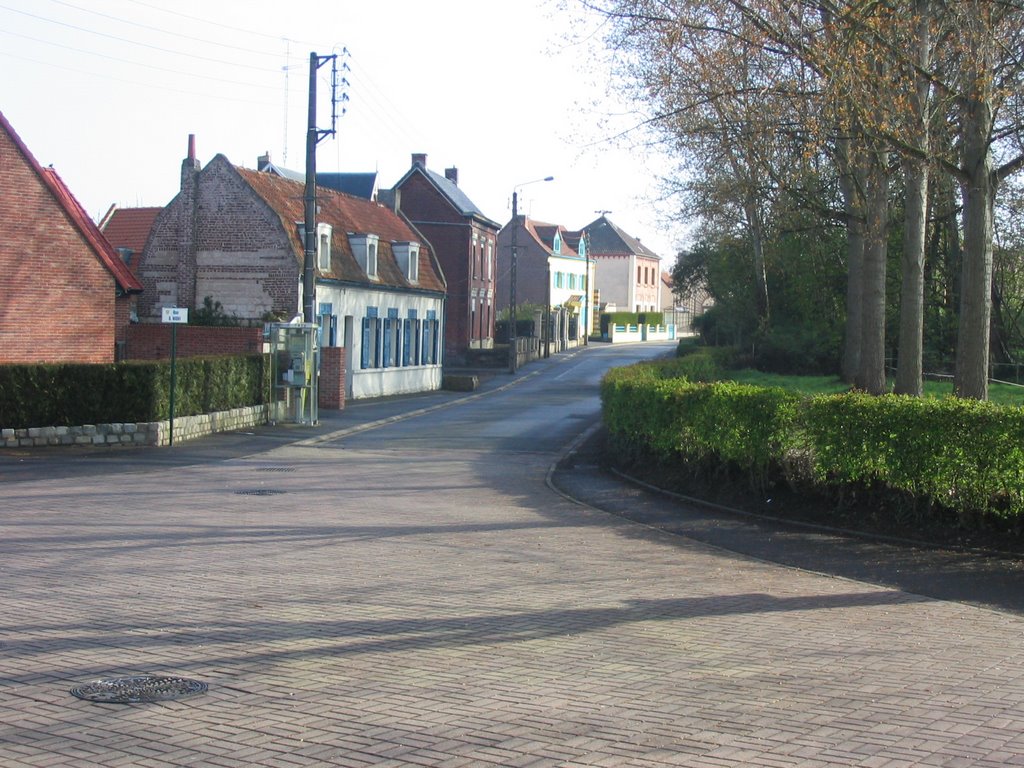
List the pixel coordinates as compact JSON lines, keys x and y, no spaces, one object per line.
{"x":152,"y":341}
{"x":141,"y":433}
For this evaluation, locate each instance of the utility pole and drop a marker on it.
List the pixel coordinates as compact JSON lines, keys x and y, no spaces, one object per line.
{"x":313,"y":137}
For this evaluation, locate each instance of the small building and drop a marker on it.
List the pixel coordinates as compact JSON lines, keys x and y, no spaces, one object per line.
{"x":233,"y":238}
{"x":65,"y":292}
{"x":628,"y":273}
{"x":551,"y":273}
{"x":464,"y":240}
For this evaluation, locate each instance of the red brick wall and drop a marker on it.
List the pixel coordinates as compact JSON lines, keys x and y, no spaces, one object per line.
{"x":152,"y":341}
{"x":217,"y":238}
{"x":452,"y":240}
{"x":56,"y":298}
{"x":331,"y":385}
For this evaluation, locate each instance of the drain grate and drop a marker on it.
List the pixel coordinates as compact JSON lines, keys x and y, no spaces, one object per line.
{"x":260,"y":492}
{"x":135,"y":690}
{"x":275,"y":469}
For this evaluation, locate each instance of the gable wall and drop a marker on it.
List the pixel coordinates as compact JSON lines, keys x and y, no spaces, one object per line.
{"x":451,"y":236}
{"x":56,"y":298}
{"x":242,"y":255}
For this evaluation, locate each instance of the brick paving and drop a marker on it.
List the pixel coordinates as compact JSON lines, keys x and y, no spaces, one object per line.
{"x":390,"y":608}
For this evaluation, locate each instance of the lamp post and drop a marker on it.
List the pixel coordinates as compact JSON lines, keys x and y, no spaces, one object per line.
{"x":512,"y":341}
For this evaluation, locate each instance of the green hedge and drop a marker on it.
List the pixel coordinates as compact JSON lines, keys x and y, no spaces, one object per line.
{"x":630,"y":318}
{"x":74,"y":394}
{"x":962,"y":456}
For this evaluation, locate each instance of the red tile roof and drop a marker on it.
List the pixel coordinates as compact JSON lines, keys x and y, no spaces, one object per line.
{"x":129,"y":228}
{"x":89,"y":231}
{"x":346,"y":214}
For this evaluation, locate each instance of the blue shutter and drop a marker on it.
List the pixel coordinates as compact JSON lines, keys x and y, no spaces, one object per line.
{"x":365,"y":351}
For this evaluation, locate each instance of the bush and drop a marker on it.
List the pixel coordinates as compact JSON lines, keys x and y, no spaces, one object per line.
{"x":75,"y":394}
{"x":957,"y":459}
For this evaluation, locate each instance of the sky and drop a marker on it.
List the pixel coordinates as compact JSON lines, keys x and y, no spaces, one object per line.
{"x":108,"y":91}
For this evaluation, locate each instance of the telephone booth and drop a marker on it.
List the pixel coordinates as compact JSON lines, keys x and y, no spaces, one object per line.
{"x":293,"y":368}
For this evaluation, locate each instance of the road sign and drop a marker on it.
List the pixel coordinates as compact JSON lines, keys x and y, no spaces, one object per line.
{"x":175,"y":314}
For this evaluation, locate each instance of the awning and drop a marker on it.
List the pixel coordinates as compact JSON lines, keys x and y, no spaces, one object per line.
{"x":573,"y":301}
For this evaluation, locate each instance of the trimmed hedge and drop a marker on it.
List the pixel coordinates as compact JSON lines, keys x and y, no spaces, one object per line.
{"x":962,"y":456}
{"x":75,"y":394}
{"x":630,"y":318}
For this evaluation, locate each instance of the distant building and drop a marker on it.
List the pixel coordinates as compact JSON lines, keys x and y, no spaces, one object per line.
{"x":464,"y":240}
{"x":235,"y":235}
{"x":628,"y":273}
{"x":550,"y":272}
{"x":64,"y":291}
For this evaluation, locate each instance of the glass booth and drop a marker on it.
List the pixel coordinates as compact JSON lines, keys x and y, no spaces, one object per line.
{"x":293,"y":369}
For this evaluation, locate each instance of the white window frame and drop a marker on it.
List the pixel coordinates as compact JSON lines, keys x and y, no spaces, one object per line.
{"x":323,"y":247}
{"x":365,"y":248}
{"x":408,"y":257}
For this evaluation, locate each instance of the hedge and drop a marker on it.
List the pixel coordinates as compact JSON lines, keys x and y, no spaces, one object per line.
{"x":958,"y":455}
{"x":74,"y":394}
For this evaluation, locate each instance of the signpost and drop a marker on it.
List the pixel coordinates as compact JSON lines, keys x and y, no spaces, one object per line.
{"x":174,"y":316}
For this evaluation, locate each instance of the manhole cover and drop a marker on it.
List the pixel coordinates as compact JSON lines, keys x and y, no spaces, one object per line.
{"x":260,"y":492}
{"x":133,"y":690}
{"x":275,"y":469}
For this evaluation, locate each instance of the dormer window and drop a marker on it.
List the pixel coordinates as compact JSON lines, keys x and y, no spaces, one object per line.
{"x":408,"y":257}
{"x":364,"y":248}
{"x":556,"y":246}
{"x":323,"y":247}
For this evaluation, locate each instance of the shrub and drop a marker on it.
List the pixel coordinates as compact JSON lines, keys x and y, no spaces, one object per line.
{"x":74,"y":394}
{"x":960,"y":458}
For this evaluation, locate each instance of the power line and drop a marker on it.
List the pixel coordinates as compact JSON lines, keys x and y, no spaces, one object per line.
{"x":164,"y":31}
{"x":147,"y":85}
{"x":232,"y":27}
{"x":133,"y":63}
{"x":134,"y":42}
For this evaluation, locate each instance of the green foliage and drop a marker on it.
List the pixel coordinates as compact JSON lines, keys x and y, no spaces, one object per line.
{"x":723,"y":422}
{"x":75,"y":394}
{"x":963,"y":455}
{"x":960,"y":456}
{"x":212,"y":313}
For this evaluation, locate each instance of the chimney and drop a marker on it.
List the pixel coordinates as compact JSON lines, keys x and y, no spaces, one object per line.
{"x":419,"y":159}
{"x":263,"y":161}
{"x":452,"y":174}
{"x":190,"y":165}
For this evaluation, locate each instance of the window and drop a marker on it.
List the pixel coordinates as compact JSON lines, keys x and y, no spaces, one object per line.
{"x":409,"y":339}
{"x":408,"y":257}
{"x":392,"y":340}
{"x":371,"y":339}
{"x":323,"y":247}
{"x":364,"y":248}
{"x":556,"y":246}
{"x":558,"y":279}
{"x":490,"y":260}
{"x":431,"y":328}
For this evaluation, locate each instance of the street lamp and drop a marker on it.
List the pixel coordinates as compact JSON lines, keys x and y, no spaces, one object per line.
{"x":512,"y":341}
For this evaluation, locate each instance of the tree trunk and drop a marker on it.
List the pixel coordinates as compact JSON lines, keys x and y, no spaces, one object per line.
{"x":871,"y":371}
{"x":978,"y":184}
{"x":852,"y":203}
{"x":910,"y":373}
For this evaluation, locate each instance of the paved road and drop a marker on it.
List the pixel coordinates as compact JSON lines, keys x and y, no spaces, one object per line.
{"x":417,"y":594}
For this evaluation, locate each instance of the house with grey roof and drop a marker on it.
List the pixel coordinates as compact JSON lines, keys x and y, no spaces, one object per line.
{"x":627,"y":272}
{"x":464,"y":242}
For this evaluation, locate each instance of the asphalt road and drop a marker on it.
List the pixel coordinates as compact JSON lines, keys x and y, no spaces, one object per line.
{"x":408,"y":584}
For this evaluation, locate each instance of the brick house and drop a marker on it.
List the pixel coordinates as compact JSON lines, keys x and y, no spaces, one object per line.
{"x":465,"y":241}
{"x":65,"y":292}
{"x":551,"y":270}
{"x":234,"y":235}
{"x":628,"y":273}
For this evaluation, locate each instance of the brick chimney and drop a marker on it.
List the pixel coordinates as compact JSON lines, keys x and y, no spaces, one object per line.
{"x":419,"y":159}
{"x":263,"y":161}
{"x":188,"y":200}
{"x":452,"y":174}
